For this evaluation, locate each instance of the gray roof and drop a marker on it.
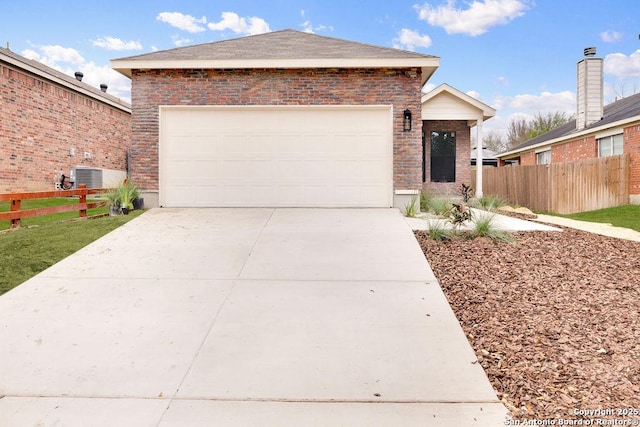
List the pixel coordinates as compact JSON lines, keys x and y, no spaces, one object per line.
{"x":621,"y":109}
{"x":52,"y":74}
{"x":283,"y":44}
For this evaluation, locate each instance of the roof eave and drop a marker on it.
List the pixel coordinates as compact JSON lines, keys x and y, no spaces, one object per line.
{"x":52,"y":78}
{"x":569,"y":137}
{"x":427,"y":65}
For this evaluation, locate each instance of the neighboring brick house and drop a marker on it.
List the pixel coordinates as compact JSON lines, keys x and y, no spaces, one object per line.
{"x":53,"y":123}
{"x":279,"y":119}
{"x":599,"y":130}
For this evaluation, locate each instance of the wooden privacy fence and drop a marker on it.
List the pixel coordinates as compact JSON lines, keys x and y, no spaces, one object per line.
{"x":564,"y":188}
{"x":15,"y":201}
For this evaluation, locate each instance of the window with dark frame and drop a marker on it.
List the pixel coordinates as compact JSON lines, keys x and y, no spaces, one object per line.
{"x":443,"y":156}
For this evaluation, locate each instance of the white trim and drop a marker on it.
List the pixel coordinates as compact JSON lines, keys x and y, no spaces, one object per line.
{"x":487,"y":111}
{"x":543,"y":150}
{"x":610,"y":132}
{"x":407,"y":192}
{"x":57,"y":80}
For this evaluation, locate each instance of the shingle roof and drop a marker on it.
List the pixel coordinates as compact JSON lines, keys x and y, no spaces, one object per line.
{"x":621,"y":109}
{"x":279,"y":49}
{"x":45,"y":71}
{"x":283,"y":44}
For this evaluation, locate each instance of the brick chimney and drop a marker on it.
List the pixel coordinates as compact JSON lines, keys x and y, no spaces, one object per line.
{"x":590,"y":89}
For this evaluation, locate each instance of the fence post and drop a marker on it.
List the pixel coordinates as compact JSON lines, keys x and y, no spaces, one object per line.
{"x":83,"y":199}
{"x":15,"y":206}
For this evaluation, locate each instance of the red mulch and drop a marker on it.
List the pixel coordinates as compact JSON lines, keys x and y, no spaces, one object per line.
{"x":554,"y":318}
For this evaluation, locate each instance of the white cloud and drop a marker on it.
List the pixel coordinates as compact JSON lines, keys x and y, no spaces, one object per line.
{"x":308,"y":27}
{"x":545,"y":102}
{"x":409,"y":40}
{"x":428,"y":88}
{"x":526,"y":106}
{"x":610,"y":36}
{"x":475,"y":94}
{"x":232,"y":21}
{"x":183,"y":22}
{"x":180,"y":41}
{"x":50,"y":55}
{"x":112,"y":43}
{"x":621,"y":65}
{"x":476,"y":19}
{"x":69,"y":60}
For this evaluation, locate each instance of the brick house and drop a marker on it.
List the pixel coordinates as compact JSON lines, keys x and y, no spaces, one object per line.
{"x":599,"y":130}
{"x":53,"y":123}
{"x":279,"y":119}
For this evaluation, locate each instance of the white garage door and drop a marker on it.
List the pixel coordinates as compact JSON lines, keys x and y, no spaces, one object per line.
{"x":276,"y":156}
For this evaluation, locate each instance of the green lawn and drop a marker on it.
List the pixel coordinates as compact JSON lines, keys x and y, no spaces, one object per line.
{"x":627,"y":216}
{"x":44,"y":203}
{"x":28,"y":251}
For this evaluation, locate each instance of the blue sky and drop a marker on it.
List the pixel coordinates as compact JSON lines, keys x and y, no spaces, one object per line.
{"x":519,"y":56}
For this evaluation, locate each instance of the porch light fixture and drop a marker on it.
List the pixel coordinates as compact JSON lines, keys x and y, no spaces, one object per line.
{"x":406,"y":121}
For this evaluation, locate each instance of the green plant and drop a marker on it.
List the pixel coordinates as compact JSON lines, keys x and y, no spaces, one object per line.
{"x":411,"y":208}
{"x":113,"y":197}
{"x":466,"y":192}
{"x":459,"y":213}
{"x":442,"y":206}
{"x":437,"y":231}
{"x":426,"y":200}
{"x":490,"y":203}
{"x":484,"y":227}
{"x":128,"y":192}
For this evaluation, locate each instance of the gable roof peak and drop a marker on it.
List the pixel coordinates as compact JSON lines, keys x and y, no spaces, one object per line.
{"x":286,"y":48}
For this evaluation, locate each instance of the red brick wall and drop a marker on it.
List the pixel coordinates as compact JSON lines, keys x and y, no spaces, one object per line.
{"x":632,"y":147}
{"x":463,"y":155}
{"x":398,"y":87}
{"x":41,"y":121}
{"x":578,"y":149}
{"x":528,"y":158}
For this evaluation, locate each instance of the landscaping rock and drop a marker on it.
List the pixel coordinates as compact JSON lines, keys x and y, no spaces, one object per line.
{"x":554,"y":318}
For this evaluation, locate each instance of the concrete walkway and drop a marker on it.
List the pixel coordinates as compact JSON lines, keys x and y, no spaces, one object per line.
{"x":241,"y":317}
{"x":500,"y":222}
{"x":604,"y":229}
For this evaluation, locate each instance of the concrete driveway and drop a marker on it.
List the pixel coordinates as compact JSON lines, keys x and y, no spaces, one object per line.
{"x":234,"y":317}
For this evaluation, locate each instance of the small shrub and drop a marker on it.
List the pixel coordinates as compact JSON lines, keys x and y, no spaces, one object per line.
{"x":484,"y":228}
{"x":442,"y":206}
{"x":437,"y":231}
{"x":411,"y":208}
{"x":459,"y":214}
{"x":490,"y":203}
{"x":426,"y":201}
{"x":466,"y":192}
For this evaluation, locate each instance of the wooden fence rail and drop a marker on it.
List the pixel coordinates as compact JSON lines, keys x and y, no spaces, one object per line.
{"x":564,"y":188}
{"x":15,"y":213}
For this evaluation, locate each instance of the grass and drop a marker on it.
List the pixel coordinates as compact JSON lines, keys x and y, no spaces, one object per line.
{"x":411,"y":208}
{"x":627,"y":216}
{"x":483,"y":227}
{"x":28,"y":251}
{"x":490,"y":203}
{"x":45,"y":203}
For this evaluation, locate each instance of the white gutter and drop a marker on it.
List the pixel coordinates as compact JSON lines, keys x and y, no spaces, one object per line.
{"x":52,"y":78}
{"x":572,"y":136}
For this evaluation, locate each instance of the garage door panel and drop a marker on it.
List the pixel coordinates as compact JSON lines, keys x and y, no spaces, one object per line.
{"x":273,"y":156}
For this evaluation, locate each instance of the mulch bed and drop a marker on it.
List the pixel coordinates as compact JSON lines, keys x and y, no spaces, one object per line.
{"x":554,"y":318}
